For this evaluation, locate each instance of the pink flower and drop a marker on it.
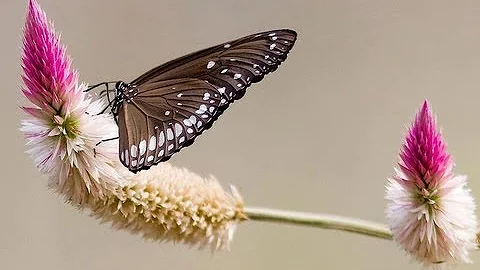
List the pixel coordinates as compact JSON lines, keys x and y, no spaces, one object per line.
{"x":430,"y":211}
{"x":61,"y":135}
{"x":50,"y":83}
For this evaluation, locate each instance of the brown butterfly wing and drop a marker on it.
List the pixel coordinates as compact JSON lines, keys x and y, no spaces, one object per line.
{"x":180,"y":99}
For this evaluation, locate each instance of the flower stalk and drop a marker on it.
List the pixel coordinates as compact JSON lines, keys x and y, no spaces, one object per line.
{"x":323,"y":221}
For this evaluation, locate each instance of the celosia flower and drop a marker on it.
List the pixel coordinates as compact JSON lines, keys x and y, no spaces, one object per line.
{"x":430,"y":211}
{"x":163,"y":203}
{"x":61,"y":135}
{"x":171,"y":204}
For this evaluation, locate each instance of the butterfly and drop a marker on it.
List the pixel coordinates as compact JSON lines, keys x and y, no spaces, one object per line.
{"x":166,"y":108}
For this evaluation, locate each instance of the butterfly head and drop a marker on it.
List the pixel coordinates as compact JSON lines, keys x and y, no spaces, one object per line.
{"x":120,"y":87}
{"x":123,"y":92}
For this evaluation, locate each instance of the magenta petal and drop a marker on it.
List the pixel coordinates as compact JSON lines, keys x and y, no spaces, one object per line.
{"x":424,"y":154}
{"x":49,"y":81}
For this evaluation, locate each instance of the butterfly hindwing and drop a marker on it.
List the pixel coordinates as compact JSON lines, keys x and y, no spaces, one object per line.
{"x":180,"y":99}
{"x":163,"y":119}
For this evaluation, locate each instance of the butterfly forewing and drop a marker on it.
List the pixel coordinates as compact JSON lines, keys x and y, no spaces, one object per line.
{"x":180,"y":99}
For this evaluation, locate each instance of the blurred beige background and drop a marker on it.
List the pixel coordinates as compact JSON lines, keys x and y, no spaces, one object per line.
{"x":321,"y":134}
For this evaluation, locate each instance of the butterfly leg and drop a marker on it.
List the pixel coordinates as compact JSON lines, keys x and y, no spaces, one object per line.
{"x":105,"y":91}
{"x":102,"y":141}
{"x":110,"y":102}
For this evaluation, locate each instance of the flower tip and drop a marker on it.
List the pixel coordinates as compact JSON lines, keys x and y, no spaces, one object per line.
{"x":33,"y":8}
{"x":425,"y":115}
{"x":426,"y":109}
{"x":32,"y":4}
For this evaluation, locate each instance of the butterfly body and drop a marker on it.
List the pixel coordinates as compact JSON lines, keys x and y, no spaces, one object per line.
{"x":166,"y":108}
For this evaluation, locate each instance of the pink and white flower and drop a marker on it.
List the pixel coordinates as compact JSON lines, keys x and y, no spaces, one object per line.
{"x":430,"y":210}
{"x":60,"y":133}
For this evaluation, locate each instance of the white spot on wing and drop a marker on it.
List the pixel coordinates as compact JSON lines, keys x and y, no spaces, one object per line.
{"x":134,"y":163}
{"x":127,"y":157}
{"x":193,"y":119}
{"x":161,"y":139}
{"x":271,"y":34}
{"x":179,"y":95}
{"x":211,"y":109}
{"x":170,"y":147}
{"x":181,"y":140}
{"x":187,"y":122}
{"x":272,"y":46}
{"x":141,"y":161}
{"x":189,"y":130}
{"x":221,"y":90}
{"x":210,"y":64}
{"x":169,"y":134}
{"x":204,"y":115}
{"x":224,"y":70}
{"x":237,"y":76}
{"x":202,"y":109}
{"x":274,"y":38}
{"x":206,"y":96}
{"x":150,"y":158}
{"x":153,"y":143}
{"x":178,"y":129}
{"x":226,"y":46}
{"x":143,"y":147}
{"x":133,"y":151}
{"x":167,"y":113}
{"x":199,"y":124}
{"x":239,"y":85}
{"x":122,"y":156}
{"x":160,"y":153}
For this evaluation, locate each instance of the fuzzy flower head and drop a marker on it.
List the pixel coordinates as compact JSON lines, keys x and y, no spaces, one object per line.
{"x":172,"y":204}
{"x":60,"y":133}
{"x":430,"y":211}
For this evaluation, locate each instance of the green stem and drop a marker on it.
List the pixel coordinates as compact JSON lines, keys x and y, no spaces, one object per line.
{"x":324,"y":221}
{"x":319,"y":221}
